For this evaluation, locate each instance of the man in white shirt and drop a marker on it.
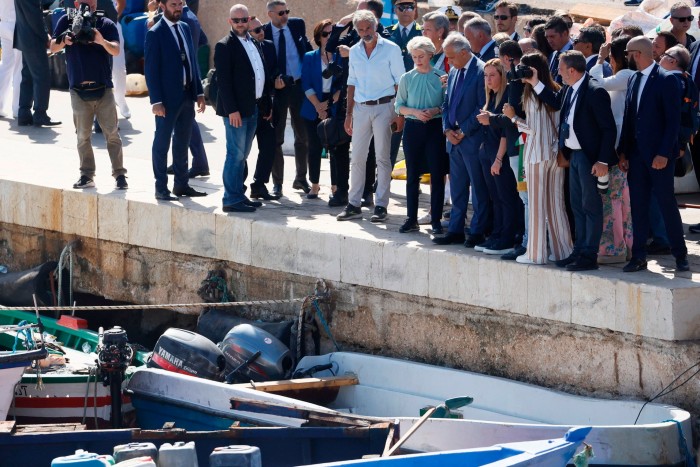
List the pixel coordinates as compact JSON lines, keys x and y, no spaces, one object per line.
{"x":11,"y":63}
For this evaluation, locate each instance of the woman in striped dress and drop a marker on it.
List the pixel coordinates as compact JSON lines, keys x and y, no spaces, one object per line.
{"x":545,"y":179}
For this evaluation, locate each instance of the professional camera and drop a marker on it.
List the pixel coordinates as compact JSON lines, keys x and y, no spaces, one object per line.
{"x":287,"y":80}
{"x":82,"y":24}
{"x":518,"y":72}
{"x":332,"y":71}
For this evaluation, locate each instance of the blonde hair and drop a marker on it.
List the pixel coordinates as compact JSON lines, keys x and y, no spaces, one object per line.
{"x":498,"y":65}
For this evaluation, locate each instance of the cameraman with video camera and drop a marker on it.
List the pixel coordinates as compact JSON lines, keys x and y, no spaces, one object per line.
{"x":90,"y":41}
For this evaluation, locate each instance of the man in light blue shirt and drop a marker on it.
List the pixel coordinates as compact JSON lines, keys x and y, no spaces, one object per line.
{"x":375,"y":67}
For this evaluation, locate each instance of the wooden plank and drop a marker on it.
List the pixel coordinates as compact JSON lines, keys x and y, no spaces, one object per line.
{"x":302,"y":383}
{"x":601,"y":13}
{"x":7,"y":427}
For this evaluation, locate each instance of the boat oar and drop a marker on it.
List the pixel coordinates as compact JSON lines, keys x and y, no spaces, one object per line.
{"x":439,"y":411}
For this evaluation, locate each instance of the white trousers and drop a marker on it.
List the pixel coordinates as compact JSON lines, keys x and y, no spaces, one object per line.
{"x":10,"y":77}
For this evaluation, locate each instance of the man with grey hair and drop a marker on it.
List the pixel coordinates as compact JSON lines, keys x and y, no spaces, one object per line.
{"x":289,"y":36}
{"x":436,"y":26}
{"x":681,"y":18}
{"x":478,"y":33}
{"x":463,"y":102}
{"x":527,"y":44}
{"x":375,"y":67}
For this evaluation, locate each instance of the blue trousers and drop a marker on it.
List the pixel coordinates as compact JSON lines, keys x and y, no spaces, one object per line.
{"x":199,"y":154}
{"x":175,"y":126}
{"x":587,"y":206}
{"x":238,"y":143}
{"x":459,"y":185}
{"x":36,"y":83}
{"x":477,"y":164}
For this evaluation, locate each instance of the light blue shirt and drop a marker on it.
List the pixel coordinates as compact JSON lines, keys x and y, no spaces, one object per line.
{"x":375,"y":76}
{"x":293,"y":61}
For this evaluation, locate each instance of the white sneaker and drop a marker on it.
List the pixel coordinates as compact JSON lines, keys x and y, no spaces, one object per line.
{"x":551,"y":258}
{"x":523,"y":259}
{"x":425,"y":220}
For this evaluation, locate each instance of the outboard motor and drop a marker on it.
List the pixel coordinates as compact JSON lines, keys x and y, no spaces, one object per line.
{"x":240,"y":347}
{"x":114,"y":355}
{"x":188,"y":353}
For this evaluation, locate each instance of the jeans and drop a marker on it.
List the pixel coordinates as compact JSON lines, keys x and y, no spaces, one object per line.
{"x":238,"y":143}
{"x":199,"y":154}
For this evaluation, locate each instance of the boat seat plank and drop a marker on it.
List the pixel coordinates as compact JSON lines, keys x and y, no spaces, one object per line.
{"x":302,"y":383}
{"x":7,"y":426}
{"x":602,"y":14}
{"x":53,"y":428}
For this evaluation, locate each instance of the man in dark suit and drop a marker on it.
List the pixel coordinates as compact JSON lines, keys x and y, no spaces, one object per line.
{"x":289,"y":36}
{"x":506,"y":18}
{"x":172,"y":76}
{"x":588,"y":42}
{"x":478,"y":33}
{"x":405,"y":29}
{"x":31,"y":37}
{"x":556,"y":30}
{"x":587,"y":134}
{"x":345,"y":24}
{"x":465,"y":99}
{"x":647,"y":149}
{"x":242,"y":94}
{"x":694,"y":71}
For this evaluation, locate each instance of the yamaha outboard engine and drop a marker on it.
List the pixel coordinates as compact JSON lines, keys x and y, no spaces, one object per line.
{"x":188,"y":353}
{"x":114,"y":355}
{"x":240,"y":347}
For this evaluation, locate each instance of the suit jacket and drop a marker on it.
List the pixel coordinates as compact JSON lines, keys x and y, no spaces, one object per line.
{"x":349,"y":39}
{"x":694,"y":50}
{"x":470,"y":101}
{"x":236,"y":78}
{"x":311,"y":79}
{"x":163,"y":66}
{"x":395,"y":37}
{"x":607,"y":69}
{"x":297,"y":28}
{"x":487,"y":54}
{"x":656,"y":129}
{"x":30,"y":29}
{"x":594,"y":123}
{"x":270,"y":58}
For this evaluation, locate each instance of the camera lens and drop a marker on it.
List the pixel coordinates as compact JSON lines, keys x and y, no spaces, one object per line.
{"x":603,"y":184}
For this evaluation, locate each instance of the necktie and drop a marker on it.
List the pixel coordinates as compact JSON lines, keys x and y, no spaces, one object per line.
{"x":282,"y":53}
{"x":404,"y":35}
{"x":554,"y":66}
{"x":632,"y":109}
{"x":477,"y":54}
{"x":454,"y":98}
{"x":565,"y":112}
{"x":183,"y":56}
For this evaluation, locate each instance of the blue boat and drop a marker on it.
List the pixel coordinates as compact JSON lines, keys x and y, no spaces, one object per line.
{"x":544,"y":453}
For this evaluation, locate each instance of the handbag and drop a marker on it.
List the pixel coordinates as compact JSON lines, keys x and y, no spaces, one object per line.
{"x":684,"y":163}
{"x":331,"y":131}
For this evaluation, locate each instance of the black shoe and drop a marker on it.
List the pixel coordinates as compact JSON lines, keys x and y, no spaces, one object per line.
{"x":682,"y":264}
{"x":165,"y":196}
{"x":238,"y":207}
{"x":571,"y":259}
{"x":635,"y":265}
{"x":379,"y":214}
{"x":367,"y":201}
{"x":188,"y":191}
{"x":262,"y":193}
{"x":449,"y":239}
{"x":695,"y":228}
{"x":121,"y":182}
{"x":170,"y":170}
{"x":633,"y":2}
{"x":437,"y":229}
{"x":337,"y":201}
{"x":518,"y":251}
{"x":583,"y":264}
{"x":474,"y":240}
{"x":411,"y":225}
{"x":302,"y":185}
{"x":254,"y":204}
{"x":192,"y":173}
{"x":25,"y":121}
{"x":44,"y":121}
{"x":656,"y":248}
{"x":350,"y":212}
{"x":277,"y":190}
{"x":84,"y":182}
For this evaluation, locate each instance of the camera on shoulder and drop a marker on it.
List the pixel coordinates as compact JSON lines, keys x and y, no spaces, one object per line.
{"x":82,"y":24}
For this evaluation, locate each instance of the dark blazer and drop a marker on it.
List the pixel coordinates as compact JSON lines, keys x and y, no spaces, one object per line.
{"x":694,"y":50}
{"x":236,"y":77}
{"x":163,"y":66}
{"x":395,"y":37}
{"x":607,"y":69}
{"x":270,"y":57}
{"x":487,"y":54}
{"x":594,"y":123}
{"x":297,"y":28}
{"x":349,"y":39}
{"x":658,"y":118}
{"x":470,"y":102}
{"x":30,"y":29}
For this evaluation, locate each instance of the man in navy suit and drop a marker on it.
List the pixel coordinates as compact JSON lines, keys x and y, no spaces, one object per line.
{"x":588,"y":42}
{"x":478,"y":33}
{"x":587,"y":134}
{"x":172,"y":76}
{"x":465,"y":99}
{"x":556,"y":30}
{"x":289,"y":36}
{"x":694,"y":72}
{"x":648,"y":148}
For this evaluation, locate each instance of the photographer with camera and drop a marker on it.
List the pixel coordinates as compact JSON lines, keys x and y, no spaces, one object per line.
{"x":90,"y":41}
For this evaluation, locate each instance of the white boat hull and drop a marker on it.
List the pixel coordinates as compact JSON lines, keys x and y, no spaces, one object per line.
{"x":9,"y":377}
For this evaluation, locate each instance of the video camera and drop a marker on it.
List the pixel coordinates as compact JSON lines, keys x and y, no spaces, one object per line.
{"x":82,"y":24}
{"x":518,"y":72}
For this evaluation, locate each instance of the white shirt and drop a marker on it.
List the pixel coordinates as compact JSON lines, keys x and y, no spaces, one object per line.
{"x":645,"y":76}
{"x":407,"y":28}
{"x":572,"y":141}
{"x":177,"y":41}
{"x":377,"y":75}
{"x":616,"y":85}
{"x":255,"y":62}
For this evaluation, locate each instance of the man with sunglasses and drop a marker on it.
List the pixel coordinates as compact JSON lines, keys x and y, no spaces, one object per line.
{"x":289,"y":36}
{"x":588,"y":42}
{"x":681,"y":19}
{"x":405,"y":29}
{"x":506,"y":17}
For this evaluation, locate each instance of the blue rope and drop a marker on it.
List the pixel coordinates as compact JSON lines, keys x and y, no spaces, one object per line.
{"x":29,"y":342}
{"x":682,"y":444}
{"x":325,"y":324}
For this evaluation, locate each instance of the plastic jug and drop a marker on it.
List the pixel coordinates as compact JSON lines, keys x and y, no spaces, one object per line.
{"x":133,"y":450}
{"x":178,"y":454}
{"x":83,"y":459}
{"x":236,"y":456}
{"x":143,"y":461}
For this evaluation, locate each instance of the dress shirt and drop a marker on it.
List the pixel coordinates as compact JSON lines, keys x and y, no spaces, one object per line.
{"x":591,"y":57}
{"x":184,"y":38}
{"x":572,"y":141}
{"x":406,"y":28}
{"x":375,"y":76}
{"x":645,"y":76}
{"x":557,"y":53}
{"x":327,"y":83}
{"x":255,"y":62}
{"x":293,"y":61}
{"x":420,"y":91}
{"x":485,"y":48}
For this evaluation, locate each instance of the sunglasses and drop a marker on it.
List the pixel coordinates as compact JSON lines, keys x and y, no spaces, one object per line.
{"x":501,"y":17}
{"x":325,"y":34}
{"x":669,"y":56}
{"x":683,"y":19}
{"x":402,"y":7}
{"x":239,"y":20}
{"x":257,"y":30}
{"x":283,"y":12}
{"x":527,"y":29}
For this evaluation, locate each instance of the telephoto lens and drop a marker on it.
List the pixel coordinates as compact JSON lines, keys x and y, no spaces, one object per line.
{"x":603,"y":184}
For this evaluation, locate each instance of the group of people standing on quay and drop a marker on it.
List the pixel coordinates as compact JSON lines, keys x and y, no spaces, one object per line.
{"x":566,"y":146}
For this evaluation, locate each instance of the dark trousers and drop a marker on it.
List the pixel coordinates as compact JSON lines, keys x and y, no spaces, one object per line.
{"x":340,"y":169}
{"x":176,"y":125}
{"x":481,"y":222}
{"x":695,"y":152}
{"x":199,"y":154}
{"x":265,"y":136}
{"x":587,"y":206}
{"x":288,"y":100}
{"x":459,"y":185}
{"x":643,"y":180}
{"x":424,"y":148}
{"x":315,"y":150}
{"x":395,"y":144}
{"x":36,"y":83}
{"x":507,"y":206}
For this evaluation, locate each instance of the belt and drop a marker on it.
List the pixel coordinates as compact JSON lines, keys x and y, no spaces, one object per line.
{"x":381,"y":100}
